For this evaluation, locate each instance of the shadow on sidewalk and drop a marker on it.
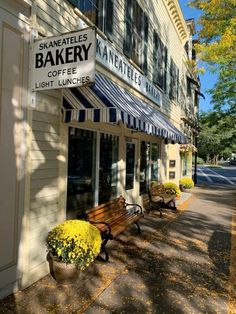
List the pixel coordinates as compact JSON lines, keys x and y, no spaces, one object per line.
{"x":179,"y":264}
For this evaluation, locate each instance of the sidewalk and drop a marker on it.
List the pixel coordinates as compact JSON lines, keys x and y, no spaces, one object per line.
{"x":179,"y":264}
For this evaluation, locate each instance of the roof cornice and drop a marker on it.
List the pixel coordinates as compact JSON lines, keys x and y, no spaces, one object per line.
{"x":177,"y":18}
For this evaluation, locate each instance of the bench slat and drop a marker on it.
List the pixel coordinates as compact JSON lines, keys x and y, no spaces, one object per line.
{"x":106,"y":214}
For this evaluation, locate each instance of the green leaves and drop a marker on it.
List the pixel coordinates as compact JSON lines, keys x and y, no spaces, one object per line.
{"x":217,"y":136}
{"x":217,"y":46}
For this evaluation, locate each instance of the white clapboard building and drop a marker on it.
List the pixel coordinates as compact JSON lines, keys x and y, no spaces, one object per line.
{"x":96,"y":100}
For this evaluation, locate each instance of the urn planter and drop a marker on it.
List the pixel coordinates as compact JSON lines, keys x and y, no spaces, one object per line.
{"x":63,"y":273}
{"x":182,"y":188}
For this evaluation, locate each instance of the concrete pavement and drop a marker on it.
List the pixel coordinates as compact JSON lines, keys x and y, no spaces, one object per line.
{"x":179,"y":264}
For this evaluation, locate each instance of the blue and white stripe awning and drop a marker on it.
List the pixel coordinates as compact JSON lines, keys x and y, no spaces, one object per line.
{"x":110,"y":103}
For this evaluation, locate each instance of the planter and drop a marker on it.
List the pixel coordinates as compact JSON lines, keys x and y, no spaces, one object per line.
{"x":182,"y":188}
{"x":63,"y":273}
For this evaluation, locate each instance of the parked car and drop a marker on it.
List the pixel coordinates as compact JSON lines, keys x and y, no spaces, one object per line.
{"x":232,"y":161}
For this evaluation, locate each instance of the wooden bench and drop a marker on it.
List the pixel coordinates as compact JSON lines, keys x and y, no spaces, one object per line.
{"x":112,"y":218}
{"x":158,"y":197}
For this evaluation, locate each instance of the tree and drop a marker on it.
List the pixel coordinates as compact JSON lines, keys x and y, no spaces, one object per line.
{"x":217,"y":47}
{"x":224,"y":92}
{"x":217,"y":136}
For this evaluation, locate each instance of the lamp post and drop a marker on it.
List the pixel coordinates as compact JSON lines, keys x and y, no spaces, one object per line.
{"x":195,"y":161}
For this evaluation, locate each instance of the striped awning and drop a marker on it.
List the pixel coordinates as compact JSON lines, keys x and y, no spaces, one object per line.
{"x":108,"y":102}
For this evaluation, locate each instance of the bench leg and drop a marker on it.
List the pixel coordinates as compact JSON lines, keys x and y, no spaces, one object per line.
{"x":171,"y":205}
{"x":156,"y":207}
{"x":139,"y":229}
{"x":106,"y":254}
{"x":103,"y":250}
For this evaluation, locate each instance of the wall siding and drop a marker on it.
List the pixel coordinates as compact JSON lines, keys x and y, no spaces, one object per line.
{"x":45,"y":170}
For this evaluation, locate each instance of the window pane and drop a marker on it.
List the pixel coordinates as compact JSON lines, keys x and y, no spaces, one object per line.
{"x":100,"y":12}
{"x":128,"y":29}
{"x":108,"y":167}
{"x":145,"y":43}
{"x":90,"y":9}
{"x":130,"y":163}
{"x":81,"y":171}
{"x":144,"y":162}
{"x":138,"y":26}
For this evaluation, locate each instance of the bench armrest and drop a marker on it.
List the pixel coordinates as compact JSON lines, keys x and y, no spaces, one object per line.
{"x":157,"y":198}
{"x":83,"y":216}
{"x":170,"y":191}
{"x":108,"y":231}
{"x":139,"y":209}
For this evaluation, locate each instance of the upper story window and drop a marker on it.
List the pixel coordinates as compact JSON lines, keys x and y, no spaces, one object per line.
{"x":100,"y":12}
{"x":136,"y":34}
{"x":174,"y":81}
{"x":159,"y":62}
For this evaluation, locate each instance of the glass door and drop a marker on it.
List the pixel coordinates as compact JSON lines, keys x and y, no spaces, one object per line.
{"x":81,"y":171}
{"x":131,"y":169}
{"x":108,"y":167}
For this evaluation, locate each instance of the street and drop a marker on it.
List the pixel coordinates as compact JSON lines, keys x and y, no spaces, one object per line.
{"x":222,"y":175}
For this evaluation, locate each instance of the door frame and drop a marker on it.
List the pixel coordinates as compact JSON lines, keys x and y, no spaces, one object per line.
{"x":132,"y":194}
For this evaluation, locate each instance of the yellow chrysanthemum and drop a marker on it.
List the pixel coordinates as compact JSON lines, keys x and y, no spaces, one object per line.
{"x":75,"y":241}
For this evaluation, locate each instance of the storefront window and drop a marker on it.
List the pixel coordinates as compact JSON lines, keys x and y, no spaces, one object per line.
{"x":108,"y":167}
{"x":130,"y":166}
{"x":144,"y":166}
{"x":81,"y":171}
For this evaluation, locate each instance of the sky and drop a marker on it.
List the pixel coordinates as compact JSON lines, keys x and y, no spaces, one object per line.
{"x":207,"y":79}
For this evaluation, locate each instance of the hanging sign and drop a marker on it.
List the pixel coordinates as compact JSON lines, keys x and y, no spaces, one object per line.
{"x":64,"y":61}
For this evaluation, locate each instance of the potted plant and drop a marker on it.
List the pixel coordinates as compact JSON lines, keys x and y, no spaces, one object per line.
{"x":172,"y":187}
{"x":186,"y":183}
{"x":72,"y":246}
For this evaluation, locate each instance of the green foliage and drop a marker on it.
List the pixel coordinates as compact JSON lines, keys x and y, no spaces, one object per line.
{"x":172,"y":186}
{"x":217,"y":34}
{"x":217,"y":47}
{"x":186,"y":182}
{"x":224,"y":91}
{"x":200,"y":161}
{"x":75,"y":242}
{"x":217,"y":135}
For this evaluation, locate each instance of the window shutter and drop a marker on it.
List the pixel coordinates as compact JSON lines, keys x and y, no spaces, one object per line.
{"x":171,"y":79}
{"x":189,"y":89}
{"x":109,"y":19}
{"x":155,"y":57}
{"x":160,"y":55}
{"x":177,"y":84}
{"x":100,"y":16}
{"x":165,"y":67}
{"x":128,"y":29}
{"x":186,"y":47}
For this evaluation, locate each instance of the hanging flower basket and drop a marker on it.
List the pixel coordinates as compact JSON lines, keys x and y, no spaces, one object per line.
{"x":187,"y":148}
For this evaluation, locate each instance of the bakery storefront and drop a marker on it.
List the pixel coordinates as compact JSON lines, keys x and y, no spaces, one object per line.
{"x":115,"y":138}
